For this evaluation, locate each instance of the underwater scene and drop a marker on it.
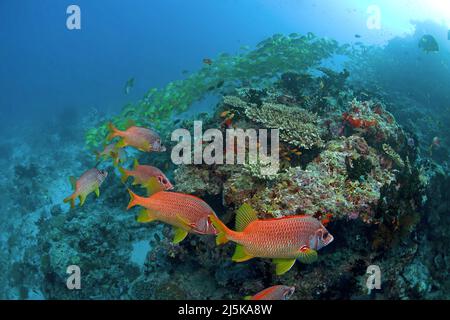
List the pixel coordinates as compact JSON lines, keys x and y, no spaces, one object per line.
{"x":225,"y":150}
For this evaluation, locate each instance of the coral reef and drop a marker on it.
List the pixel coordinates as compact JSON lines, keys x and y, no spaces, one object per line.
{"x":298,"y":127}
{"x":344,"y":157}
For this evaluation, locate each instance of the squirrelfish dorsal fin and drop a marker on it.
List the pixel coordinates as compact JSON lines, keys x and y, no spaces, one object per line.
{"x":244,"y":216}
{"x":153,"y":186}
{"x":73,"y":182}
{"x":135,"y":164}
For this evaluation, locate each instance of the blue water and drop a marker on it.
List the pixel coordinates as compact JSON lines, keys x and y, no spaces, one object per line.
{"x":56,"y":83}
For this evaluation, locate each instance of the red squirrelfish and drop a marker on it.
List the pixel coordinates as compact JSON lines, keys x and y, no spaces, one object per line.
{"x":184,"y":212}
{"x":285,"y":239}
{"x":273,"y":293}
{"x":89,"y":182}
{"x":142,"y":175}
{"x":143,"y":139}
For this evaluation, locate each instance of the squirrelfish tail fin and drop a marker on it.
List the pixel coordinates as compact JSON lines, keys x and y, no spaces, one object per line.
{"x":223,"y":232}
{"x":113,"y":132}
{"x":71,"y":198}
{"x":135,"y":200}
{"x":73,"y":182}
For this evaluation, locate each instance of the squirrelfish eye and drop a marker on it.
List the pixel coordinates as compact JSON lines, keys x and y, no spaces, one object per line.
{"x":325,"y":235}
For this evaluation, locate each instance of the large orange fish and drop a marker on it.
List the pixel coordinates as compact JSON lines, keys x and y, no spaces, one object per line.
{"x":89,"y":182}
{"x":142,"y":175}
{"x":184,"y":212}
{"x":279,"y":292}
{"x":143,"y":139}
{"x":285,"y":239}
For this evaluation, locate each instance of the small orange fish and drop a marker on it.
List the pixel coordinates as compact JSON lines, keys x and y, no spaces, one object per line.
{"x":141,"y":138}
{"x":224,"y":114}
{"x":285,"y":239}
{"x":89,"y":182}
{"x":184,"y":212}
{"x":110,"y":150}
{"x":228,"y":122}
{"x":279,"y":292}
{"x":142,"y":175}
{"x":207,"y":61}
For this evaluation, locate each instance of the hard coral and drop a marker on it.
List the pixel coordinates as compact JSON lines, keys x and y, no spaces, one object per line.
{"x":298,"y":126}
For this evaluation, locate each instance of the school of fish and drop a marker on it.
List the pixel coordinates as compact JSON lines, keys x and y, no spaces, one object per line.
{"x":284,"y":240}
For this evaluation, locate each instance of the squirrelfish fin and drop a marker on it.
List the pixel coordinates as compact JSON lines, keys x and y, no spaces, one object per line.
{"x":240,"y":255}
{"x":124,"y":174}
{"x":82,"y":199}
{"x":283,"y":265}
{"x":153,"y":186}
{"x":121,"y":143}
{"x":71,"y":200}
{"x":179,"y":235}
{"x":146,"y":215}
{"x":221,"y":229}
{"x":185,"y":222}
{"x":307,"y":255}
{"x":73,"y":182}
{"x":135,"y":164}
{"x":146,"y":147}
{"x":244,"y":216}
